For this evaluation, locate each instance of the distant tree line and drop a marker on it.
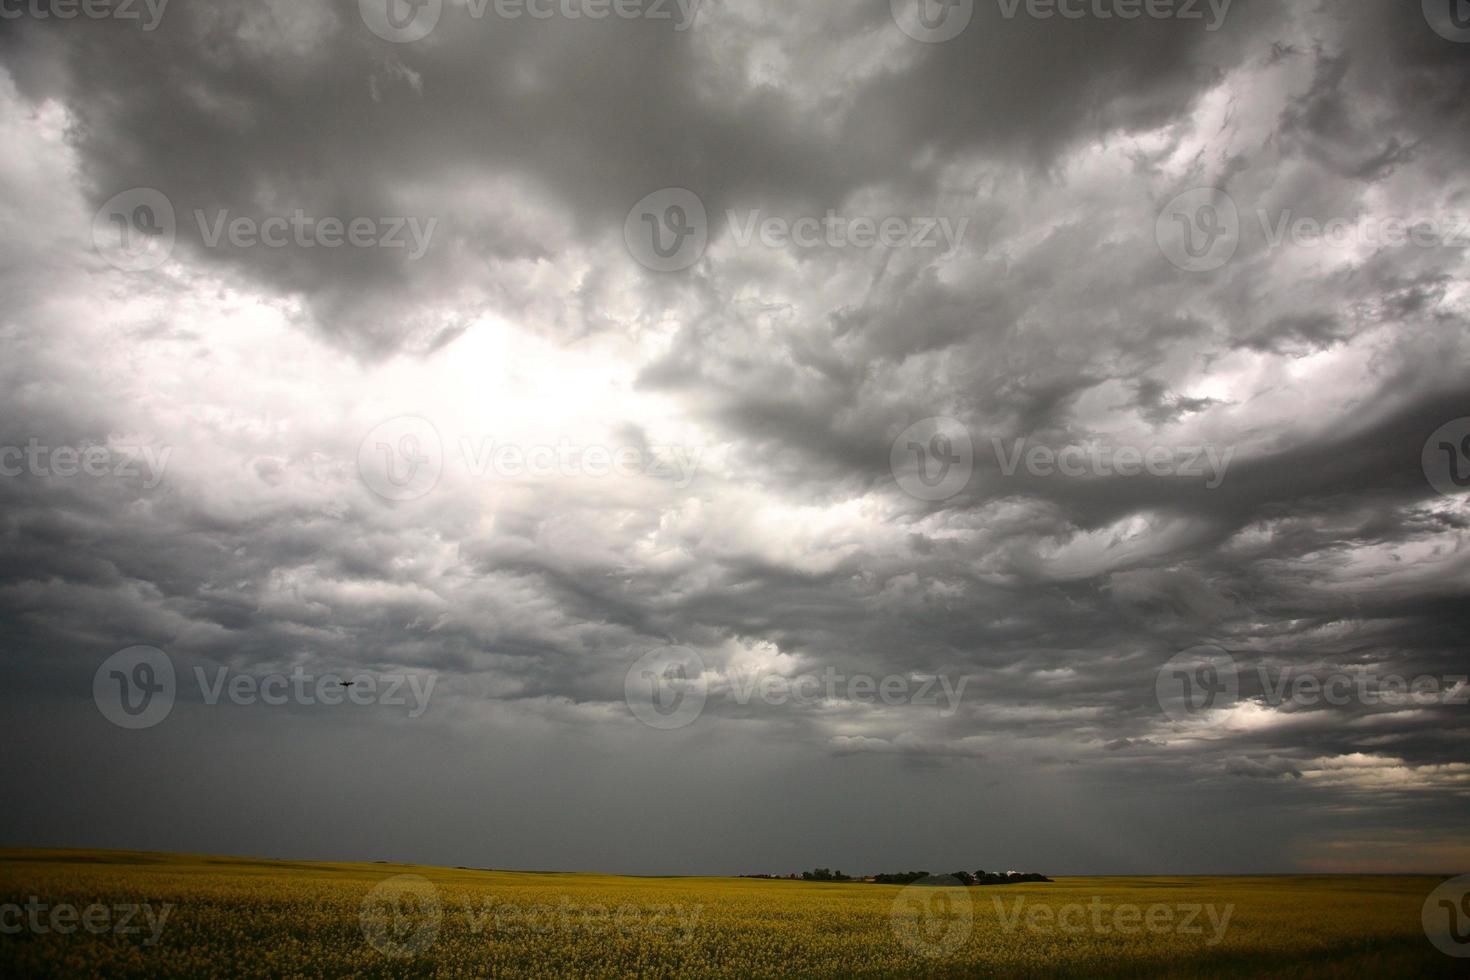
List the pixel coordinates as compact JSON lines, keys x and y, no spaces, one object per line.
{"x":966,"y":878}
{"x":963,"y":877}
{"x":991,"y":878}
{"x":824,"y":874}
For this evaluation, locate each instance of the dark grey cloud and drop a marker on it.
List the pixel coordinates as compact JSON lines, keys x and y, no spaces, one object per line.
{"x":1310,"y":374}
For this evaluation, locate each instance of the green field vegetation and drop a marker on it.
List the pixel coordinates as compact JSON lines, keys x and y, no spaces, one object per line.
{"x":236,"y":917}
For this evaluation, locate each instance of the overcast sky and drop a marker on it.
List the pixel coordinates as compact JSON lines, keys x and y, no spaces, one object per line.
{"x":1001,"y":356}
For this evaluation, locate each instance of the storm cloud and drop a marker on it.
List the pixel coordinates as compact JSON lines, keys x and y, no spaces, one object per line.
{"x":400,"y":392}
